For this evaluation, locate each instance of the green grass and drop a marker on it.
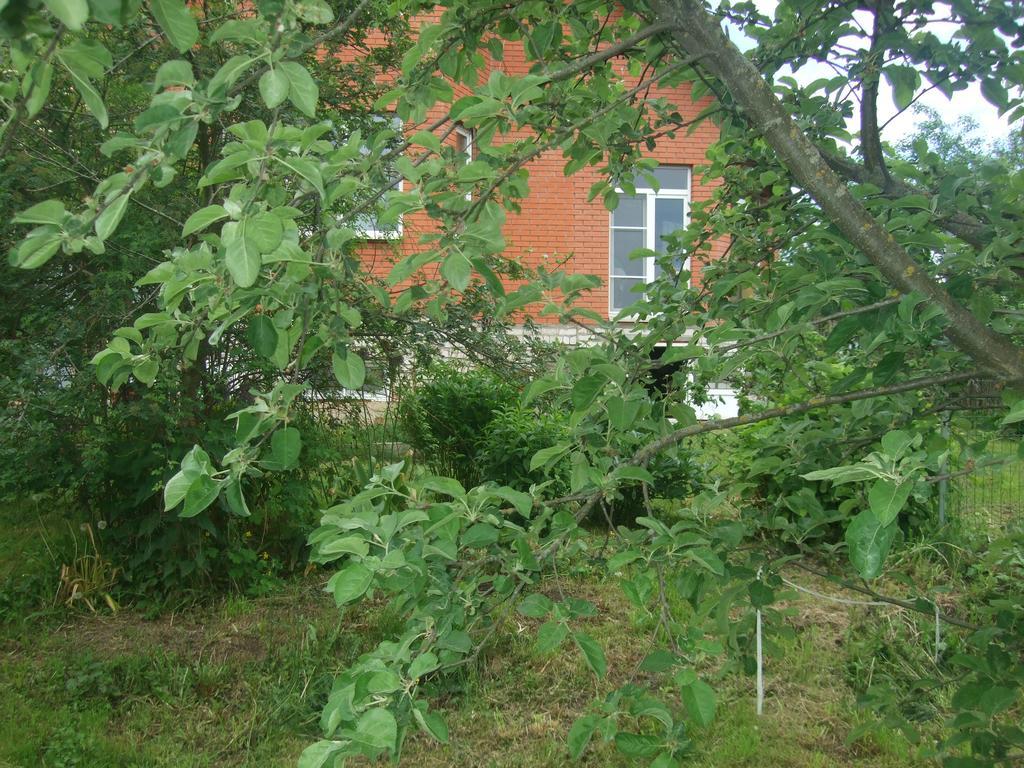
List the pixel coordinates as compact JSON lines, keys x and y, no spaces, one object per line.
{"x":240,"y":681}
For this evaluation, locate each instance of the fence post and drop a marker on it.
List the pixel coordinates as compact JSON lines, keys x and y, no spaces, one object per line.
{"x":943,"y":470}
{"x":760,"y":659}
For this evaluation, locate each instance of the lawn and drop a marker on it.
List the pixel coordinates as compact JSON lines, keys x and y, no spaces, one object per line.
{"x":240,"y":681}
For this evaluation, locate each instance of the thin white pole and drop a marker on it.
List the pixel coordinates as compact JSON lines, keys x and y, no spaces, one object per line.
{"x":760,"y":668}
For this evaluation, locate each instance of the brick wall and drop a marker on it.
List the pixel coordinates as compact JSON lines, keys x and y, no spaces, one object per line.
{"x":557,"y":224}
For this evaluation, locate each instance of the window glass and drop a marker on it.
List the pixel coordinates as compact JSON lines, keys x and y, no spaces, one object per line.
{"x":672,"y":177}
{"x":669,"y":216}
{"x":464,"y":143}
{"x":622,"y":291}
{"x":384,"y":175}
{"x":631,"y":211}
{"x":624,"y":242}
{"x":644,"y":220}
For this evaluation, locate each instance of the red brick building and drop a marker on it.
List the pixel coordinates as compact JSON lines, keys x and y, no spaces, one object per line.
{"x":558,"y":225}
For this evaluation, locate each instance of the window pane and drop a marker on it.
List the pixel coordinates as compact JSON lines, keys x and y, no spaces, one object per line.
{"x":625,"y":241}
{"x":668,"y":217}
{"x":630,"y":212}
{"x":464,"y":143}
{"x":622,"y":291}
{"x":673,"y":176}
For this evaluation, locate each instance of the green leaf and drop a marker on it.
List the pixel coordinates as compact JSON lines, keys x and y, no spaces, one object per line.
{"x":377,"y":729}
{"x":550,"y":636}
{"x":586,"y":390}
{"x":592,"y":652}
{"x":546,"y":455}
{"x":240,"y":256}
{"x":432,"y":723}
{"x":760,"y":594}
{"x":285,"y":447}
{"x":523,"y":502}
{"x":706,"y":559}
{"x":887,"y":498}
{"x":350,"y":583}
{"x":273,"y":87}
{"x":36,"y":87}
{"x":302,"y":90}
{"x":536,"y":606}
{"x":636,"y":744}
{"x":229,"y":72}
{"x":52,"y":212}
{"x":1015,"y":415}
{"x":869,"y":543}
{"x":174,"y":73}
{"x":146,"y":371}
{"x":107,"y":221}
{"x":619,"y":561}
{"x":344,"y":545}
{"x":479,"y":536}
{"x":422,"y":665}
{"x":580,"y":733}
{"x":349,"y":369}
{"x":427,"y":140}
{"x":317,"y":755}
{"x":262,"y":335}
{"x":201,"y":494}
{"x":264,"y":231}
{"x":90,"y":96}
{"x":658,"y":660}
{"x":852,"y":473}
{"x":995,"y":93}
{"x":904,"y":82}
{"x":72,"y":13}
{"x":305,"y":169}
{"x":36,"y":249}
{"x":236,"y":499}
{"x":446,"y":485}
{"x":896,"y":443}
{"x":203,"y":218}
{"x":177,"y":22}
{"x":175,"y":490}
{"x":700,"y":702}
{"x":457,"y":270}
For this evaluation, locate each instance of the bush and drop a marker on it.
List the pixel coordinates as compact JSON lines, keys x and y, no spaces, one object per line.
{"x":448,"y":413}
{"x":511,"y":439}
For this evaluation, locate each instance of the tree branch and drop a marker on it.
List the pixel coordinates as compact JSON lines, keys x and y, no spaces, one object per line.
{"x":695,"y":32}
{"x":870,"y":136}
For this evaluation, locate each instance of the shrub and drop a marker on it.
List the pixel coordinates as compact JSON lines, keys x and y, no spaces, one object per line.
{"x":511,"y":439}
{"x":447,"y":414}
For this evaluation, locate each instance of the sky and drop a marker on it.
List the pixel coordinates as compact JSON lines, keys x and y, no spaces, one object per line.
{"x":967,"y":103}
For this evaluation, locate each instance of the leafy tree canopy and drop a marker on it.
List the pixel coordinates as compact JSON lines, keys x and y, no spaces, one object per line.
{"x":865,"y":291}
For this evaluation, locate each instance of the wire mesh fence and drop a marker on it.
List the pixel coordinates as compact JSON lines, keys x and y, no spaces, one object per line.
{"x":985,"y":489}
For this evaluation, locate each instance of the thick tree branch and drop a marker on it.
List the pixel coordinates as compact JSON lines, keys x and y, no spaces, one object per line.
{"x":870,"y":136}
{"x":717,"y":425}
{"x":619,"y":48}
{"x":655,"y":447}
{"x":697,"y":33}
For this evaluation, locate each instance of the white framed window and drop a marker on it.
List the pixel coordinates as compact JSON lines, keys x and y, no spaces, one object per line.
{"x":641,"y":221}
{"x":464,"y":147}
{"x":367,"y":223}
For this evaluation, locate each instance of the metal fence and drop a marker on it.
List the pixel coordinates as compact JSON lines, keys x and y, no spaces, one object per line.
{"x":985,"y":488}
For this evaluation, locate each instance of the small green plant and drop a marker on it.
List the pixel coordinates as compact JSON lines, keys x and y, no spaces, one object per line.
{"x":90,"y":576}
